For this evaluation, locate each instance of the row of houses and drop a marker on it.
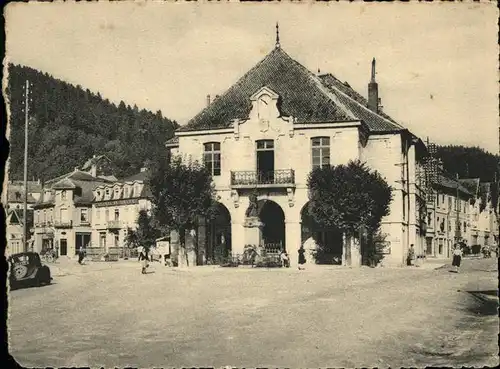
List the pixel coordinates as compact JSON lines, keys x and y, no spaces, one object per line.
{"x":260,"y":139}
{"x":460,"y":210}
{"x":82,"y":208}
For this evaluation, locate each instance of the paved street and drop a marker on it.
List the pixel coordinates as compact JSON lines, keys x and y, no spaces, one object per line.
{"x":111,"y":315}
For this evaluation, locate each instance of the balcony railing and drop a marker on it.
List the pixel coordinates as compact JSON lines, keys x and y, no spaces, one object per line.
{"x":275,"y":178}
{"x":63,"y":224}
{"x":114,"y":224}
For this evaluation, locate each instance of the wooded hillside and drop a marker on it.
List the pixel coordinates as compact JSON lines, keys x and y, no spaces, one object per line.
{"x":69,"y":124}
{"x":469,"y":162}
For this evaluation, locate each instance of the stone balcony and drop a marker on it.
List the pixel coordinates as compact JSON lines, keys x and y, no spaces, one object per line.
{"x":254,"y":179}
{"x":63,"y":224}
{"x":114,"y":224}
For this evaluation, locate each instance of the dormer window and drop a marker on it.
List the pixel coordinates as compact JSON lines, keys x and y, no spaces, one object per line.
{"x":117,"y":192}
{"x":107,"y":192}
{"x":125,"y":192}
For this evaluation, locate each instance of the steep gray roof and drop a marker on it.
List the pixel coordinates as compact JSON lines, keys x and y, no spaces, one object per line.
{"x":305,"y":96}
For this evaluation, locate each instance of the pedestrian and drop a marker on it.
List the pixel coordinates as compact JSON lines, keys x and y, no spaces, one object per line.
{"x":411,"y":255}
{"x":143,"y":259}
{"x":302,"y":258}
{"x":285,"y":260}
{"x":457,"y":258}
{"x":81,"y":255}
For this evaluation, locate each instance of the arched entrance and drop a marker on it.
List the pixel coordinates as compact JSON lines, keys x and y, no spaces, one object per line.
{"x":219,"y":234}
{"x":273,"y":218}
{"x":329,"y":241}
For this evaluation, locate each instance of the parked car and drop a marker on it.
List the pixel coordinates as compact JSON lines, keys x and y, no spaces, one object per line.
{"x":26,"y":269}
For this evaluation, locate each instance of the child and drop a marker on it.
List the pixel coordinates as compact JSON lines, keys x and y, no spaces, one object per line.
{"x":285,"y":261}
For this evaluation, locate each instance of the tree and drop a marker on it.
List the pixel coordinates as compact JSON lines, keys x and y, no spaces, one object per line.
{"x":145,"y":235}
{"x":349,"y":197}
{"x":182,"y":192}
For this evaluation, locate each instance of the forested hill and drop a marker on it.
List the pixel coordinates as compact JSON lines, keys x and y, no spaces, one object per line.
{"x":469,"y":162}
{"x":69,"y":125}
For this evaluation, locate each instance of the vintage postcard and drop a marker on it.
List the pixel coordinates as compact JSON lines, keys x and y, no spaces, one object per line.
{"x":224,"y":184}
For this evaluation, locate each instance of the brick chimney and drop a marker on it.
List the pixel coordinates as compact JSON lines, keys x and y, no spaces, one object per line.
{"x":208,"y":100}
{"x":373,"y":100}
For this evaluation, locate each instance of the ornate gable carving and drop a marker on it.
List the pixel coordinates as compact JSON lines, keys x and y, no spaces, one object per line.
{"x":264,"y":105}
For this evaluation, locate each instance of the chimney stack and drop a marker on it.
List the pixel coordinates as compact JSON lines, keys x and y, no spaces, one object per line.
{"x":373,"y":100}
{"x":208,"y":100}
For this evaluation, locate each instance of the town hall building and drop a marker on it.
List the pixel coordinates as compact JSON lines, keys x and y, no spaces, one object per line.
{"x":263,"y":136}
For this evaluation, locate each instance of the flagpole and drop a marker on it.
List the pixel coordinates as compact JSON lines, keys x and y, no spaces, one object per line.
{"x":25,"y":213}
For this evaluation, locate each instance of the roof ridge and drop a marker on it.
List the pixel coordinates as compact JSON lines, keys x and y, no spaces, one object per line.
{"x":364,"y":107}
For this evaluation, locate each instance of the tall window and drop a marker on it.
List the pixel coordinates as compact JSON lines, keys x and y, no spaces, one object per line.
{"x":117,"y":214}
{"x":102,"y":239}
{"x":63,"y":195}
{"x":320,"y":152}
{"x":211,"y":157}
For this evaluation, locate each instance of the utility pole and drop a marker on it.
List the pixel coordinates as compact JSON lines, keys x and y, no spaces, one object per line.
{"x":25,"y":213}
{"x":457,"y":203}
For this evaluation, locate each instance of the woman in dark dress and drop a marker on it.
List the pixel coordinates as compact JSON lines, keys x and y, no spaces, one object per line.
{"x":143,"y":258}
{"x":302,"y":258}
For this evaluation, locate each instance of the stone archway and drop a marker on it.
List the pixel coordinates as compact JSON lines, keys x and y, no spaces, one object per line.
{"x":273,"y":218}
{"x":265,"y":224}
{"x":324,"y":244}
{"x":218,"y":234}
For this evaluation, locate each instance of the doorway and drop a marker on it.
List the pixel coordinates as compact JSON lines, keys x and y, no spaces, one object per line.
{"x":265,"y":161}
{"x":64,"y":247}
{"x":273,"y":231}
{"x":219,"y":235}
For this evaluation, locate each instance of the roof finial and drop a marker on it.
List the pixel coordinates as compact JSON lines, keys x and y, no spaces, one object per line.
{"x":373,"y":70}
{"x":277,"y":35}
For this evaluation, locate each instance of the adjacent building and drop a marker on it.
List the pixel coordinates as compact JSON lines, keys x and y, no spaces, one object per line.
{"x":266,"y":133}
{"x":15,"y":229}
{"x":459,"y":210}
{"x":15,"y":194}
{"x":63,"y":214}
{"x":115,"y":209}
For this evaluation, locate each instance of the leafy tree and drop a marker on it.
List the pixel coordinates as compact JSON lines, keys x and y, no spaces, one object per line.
{"x":348,"y":197}
{"x":145,"y":235}
{"x":182,"y":192}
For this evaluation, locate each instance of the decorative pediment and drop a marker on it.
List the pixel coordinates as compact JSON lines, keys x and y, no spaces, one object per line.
{"x":264,"y":91}
{"x":264,"y":105}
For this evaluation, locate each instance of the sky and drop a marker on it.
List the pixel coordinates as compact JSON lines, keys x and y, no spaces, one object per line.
{"x":437,"y":63}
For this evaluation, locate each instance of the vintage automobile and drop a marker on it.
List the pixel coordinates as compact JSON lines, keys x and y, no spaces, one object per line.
{"x":26,"y":269}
